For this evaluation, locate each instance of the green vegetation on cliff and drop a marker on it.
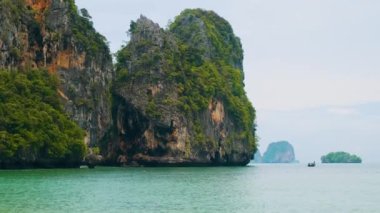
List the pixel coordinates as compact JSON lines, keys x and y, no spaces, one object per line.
{"x":36,"y":126}
{"x":202,"y":57}
{"x":33,"y":127}
{"x":178,"y":92}
{"x":206,"y":35}
{"x":84,"y":33}
{"x":340,"y":157}
{"x":212,"y":59}
{"x":16,"y":7}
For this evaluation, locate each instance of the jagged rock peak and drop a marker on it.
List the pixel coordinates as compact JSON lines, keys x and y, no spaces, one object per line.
{"x":146,"y":29}
{"x":144,"y":23}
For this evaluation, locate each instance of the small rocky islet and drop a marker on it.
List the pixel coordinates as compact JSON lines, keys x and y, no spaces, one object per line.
{"x":277,"y":152}
{"x":174,"y":97}
{"x":340,"y":157}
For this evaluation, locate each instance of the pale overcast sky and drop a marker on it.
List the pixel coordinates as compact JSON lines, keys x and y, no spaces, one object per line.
{"x":312,"y":67}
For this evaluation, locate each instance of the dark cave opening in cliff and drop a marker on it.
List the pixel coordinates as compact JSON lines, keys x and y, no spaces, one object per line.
{"x":132,"y":125}
{"x":139,"y":134}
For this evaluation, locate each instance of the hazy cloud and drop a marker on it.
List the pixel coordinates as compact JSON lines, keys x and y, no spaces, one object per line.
{"x":342,"y":111}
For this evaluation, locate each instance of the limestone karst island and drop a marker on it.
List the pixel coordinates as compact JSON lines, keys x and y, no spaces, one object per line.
{"x":174,"y":96}
{"x":340,"y":157}
{"x":277,"y":152}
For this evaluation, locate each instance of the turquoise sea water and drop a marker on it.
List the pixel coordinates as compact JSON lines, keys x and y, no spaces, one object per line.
{"x":255,"y":188}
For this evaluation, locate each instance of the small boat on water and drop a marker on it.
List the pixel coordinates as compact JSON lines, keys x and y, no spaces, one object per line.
{"x":311,"y":164}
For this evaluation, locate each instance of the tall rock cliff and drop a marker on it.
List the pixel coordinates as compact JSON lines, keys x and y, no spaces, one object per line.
{"x":179,"y":95}
{"x":51,"y":34}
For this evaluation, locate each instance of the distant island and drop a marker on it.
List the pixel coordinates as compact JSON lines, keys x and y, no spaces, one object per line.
{"x":340,"y":157}
{"x":277,"y":152}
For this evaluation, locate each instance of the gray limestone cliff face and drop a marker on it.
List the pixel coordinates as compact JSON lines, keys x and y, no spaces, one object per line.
{"x":50,"y":34}
{"x":279,"y":152}
{"x":151,"y":126}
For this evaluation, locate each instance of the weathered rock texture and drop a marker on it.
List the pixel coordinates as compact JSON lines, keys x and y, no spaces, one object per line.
{"x":279,"y":152}
{"x":51,"y":34}
{"x":179,"y":96}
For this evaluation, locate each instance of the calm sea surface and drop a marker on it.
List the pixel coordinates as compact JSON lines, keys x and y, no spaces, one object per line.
{"x":255,"y":188}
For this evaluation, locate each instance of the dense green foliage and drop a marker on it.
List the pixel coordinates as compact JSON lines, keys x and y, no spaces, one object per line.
{"x":340,"y":157}
{"x":206,"y":33}
{"x":33,"y":126}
